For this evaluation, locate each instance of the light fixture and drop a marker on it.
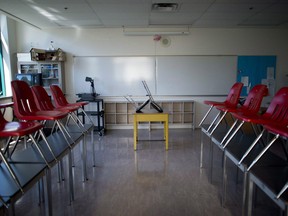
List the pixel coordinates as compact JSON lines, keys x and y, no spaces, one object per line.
{"x":156,"y":31}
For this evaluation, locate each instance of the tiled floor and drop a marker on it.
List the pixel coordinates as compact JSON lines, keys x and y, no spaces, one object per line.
{"x":146,"y":182}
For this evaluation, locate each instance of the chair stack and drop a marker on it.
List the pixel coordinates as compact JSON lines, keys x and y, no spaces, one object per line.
{"x":23,"y":168}
{"x":251,"y":150}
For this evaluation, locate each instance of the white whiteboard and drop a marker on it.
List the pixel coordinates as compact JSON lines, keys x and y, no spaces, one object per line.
{"x":114,"y":76}
{"x":195,"y":75}
{"x":165,"y":75}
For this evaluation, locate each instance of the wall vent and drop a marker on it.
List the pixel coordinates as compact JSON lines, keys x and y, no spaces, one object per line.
{"x":164,"y":7}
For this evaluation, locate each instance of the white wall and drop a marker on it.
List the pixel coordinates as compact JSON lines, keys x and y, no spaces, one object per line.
{"x":112,"y":42}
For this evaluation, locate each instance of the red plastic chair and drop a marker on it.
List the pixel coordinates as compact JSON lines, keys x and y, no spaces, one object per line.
{"x":61,"y":101}
{"x":276,"y":112}
{"x":231,"y":101}
{"x":26,"y":109}
{"x":251,"y":106}
{"x":271,"y":179}
{"x":43,"y":102}
{"x":18,"y":130}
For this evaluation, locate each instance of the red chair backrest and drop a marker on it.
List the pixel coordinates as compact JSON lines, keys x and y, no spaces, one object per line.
{"x":58,"y":96}
{"x":234,"y":94}
{"x":277,"y":111}
{"x":254,"y":99}
{"x":42,"y":98}
{"x":24,"y":103}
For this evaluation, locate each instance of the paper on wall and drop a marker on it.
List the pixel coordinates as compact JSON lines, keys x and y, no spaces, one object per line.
{"x":245,"y":80}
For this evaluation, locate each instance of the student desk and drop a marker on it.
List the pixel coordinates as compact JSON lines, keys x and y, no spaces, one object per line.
{"x":151,"y":117}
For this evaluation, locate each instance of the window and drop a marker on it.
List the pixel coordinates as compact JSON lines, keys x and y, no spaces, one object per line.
{"x":2,"y":87}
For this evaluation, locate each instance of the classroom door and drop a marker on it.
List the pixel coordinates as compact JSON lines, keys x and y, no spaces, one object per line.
{"x":252,"y":70}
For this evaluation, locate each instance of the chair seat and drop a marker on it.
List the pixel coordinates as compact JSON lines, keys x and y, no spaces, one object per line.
{"x":254,"y":118}
{"x":67,"y":108}
{"x":44,"y":115}
{"x":19,"y":128}
{"x":221,"y":105}
{"x":282,"y":130}
{"x":214,"y":103}
{"x":77,"y":104}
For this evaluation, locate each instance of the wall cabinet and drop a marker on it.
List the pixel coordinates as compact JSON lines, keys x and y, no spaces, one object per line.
{"x":120,"y":114}
{"x":51,"y":74}
{"x":52,"y":71}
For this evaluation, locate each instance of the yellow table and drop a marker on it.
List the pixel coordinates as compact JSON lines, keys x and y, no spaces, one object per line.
{"x":151,"y":117}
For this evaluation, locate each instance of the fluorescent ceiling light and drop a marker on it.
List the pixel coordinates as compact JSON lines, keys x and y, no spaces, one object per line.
{"x":155,"y":31}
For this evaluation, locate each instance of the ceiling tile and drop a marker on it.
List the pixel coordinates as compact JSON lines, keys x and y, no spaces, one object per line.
{"x":116,"y":13}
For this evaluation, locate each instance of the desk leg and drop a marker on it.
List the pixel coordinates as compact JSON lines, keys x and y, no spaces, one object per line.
{"x":135,"y":133}
{"x":166,"y":132}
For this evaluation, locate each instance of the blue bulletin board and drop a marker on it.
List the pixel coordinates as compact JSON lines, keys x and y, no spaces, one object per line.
{"x":252,"y":70}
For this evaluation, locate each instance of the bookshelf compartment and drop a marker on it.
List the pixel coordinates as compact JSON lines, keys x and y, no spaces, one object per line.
{"x":110,"y":118}
{"x":121,"y":108}
{"x":119,"y":113}
{"x":121,"y":118}
{"x":110,"y":107}
{"x":177,"y":107}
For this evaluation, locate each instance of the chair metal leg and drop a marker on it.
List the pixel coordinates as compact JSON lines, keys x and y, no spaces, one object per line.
{"x":263,"y":152}
{"x":201,"y":149}
{"x":286,"y":211}
{"x":217,"y":124}
{"x":207,"y":113}
{"x":39,"y":150}
{"x":93,"y":147}
{"x":41,"y":193}
{"x":47,"y":143}
{"x":282,"y":190}
{"x":224,"y":181}
{"x":70,"y":179}
{"x":6,"y":149}
{"x":62,"y":171}
{"x":229,"y":131}
{"x":48,"y":203}
{"x":3,"y":202}
{"x":90,"y":120}
{"x":233,"y":134}
{"x":211,"y":159}
{"x":251,"y":147}
{"x":249,"y":198}
{"x":245,"y":192}
{"x":84,"y":156}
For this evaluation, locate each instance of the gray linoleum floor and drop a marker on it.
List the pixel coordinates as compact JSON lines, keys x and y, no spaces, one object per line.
{"x":146,"y":182}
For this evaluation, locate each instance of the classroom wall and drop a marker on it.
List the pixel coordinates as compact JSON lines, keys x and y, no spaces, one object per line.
{"x":201,"y":41}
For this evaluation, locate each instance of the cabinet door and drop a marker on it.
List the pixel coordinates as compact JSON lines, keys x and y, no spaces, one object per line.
{"x":28,"y":68}
{"x":50,"y":74}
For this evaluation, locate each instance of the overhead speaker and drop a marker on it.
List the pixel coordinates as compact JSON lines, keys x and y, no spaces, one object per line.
{"x":165,"y":41}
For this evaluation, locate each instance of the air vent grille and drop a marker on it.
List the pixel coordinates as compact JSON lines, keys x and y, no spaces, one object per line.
{"x":164,"y":7}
